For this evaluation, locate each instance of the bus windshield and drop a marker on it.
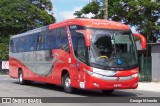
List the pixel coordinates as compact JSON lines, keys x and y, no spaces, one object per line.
{"x":112,"y":49}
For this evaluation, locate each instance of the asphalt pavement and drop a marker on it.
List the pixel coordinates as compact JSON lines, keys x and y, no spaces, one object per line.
{"x":143,"y":86}
{"x":10,"y":88}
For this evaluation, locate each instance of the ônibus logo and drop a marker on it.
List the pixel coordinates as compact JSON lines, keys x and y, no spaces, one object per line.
{"x":117,"y":79}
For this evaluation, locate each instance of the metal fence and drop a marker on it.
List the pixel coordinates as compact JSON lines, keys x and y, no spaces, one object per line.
{"x":145,"y":65}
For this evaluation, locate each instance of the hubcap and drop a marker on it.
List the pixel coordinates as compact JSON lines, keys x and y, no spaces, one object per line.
{"x":67,"y":82}
{"x":20,"y":77}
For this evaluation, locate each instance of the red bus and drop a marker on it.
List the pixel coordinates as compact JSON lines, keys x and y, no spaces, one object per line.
{"x":88,"y":54}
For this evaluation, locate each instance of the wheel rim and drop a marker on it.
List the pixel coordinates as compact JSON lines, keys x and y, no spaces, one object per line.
{"x":67,"y":82}
{"x":20,"y":77}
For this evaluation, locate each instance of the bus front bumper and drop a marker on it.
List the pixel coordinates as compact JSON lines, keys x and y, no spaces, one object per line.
{"x":96,"y":82}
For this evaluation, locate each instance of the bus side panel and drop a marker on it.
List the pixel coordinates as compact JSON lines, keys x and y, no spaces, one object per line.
{"x":13,"y":69}
{"x":27,"y":73}
{"x":65,"y":63}
{"x":15,"y":65}
{"x":61,"y":64}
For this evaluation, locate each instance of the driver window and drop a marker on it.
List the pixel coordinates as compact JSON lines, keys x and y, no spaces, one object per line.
{"x":79,"y":47}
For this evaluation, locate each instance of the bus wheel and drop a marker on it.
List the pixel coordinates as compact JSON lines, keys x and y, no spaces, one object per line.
{"x":20,"y":77}
{"x":107,"y":92}
{"x":67,"y":84}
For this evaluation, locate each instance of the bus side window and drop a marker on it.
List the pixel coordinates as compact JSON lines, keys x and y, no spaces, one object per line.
{"x":60,"y":39}
{"x":11,"y":46}
{"x":63,"y":41}
{"x":17,"y":45}
{"x":81,"y":47}
{"x":49,"y":40}
{"x":22,"y":44}
{"x":40,"y":42}
{"x":74,"y":42}
{"x":29,"y":42}
{"x":52,"y":39}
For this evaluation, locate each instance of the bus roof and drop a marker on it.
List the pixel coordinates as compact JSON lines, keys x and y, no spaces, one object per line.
{"x":92,"y":23}
{"x":31,"y":31}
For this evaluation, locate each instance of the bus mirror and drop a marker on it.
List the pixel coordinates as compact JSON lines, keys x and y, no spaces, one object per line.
{"x":142,"y":39}
{"x":87,"y":36}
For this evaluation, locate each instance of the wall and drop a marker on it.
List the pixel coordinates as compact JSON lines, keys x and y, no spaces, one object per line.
{"x":155,"y":62}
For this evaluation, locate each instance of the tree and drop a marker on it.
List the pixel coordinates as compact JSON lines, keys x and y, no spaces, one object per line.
{"x":142,"y":14}
{"x":42,"y":4}
{"x":17,"y":16}
{"x":4,"y":47}
{"x":92,"y":7}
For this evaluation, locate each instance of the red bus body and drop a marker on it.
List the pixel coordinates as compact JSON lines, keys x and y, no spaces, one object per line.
{"x":50,"y":66}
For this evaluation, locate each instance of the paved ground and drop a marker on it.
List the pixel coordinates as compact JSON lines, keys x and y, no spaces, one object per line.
{"x":11,"y":88}
{"x":149,"y":86}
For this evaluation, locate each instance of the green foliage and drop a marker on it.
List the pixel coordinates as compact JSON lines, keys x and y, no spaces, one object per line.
{"x":93,"y":8}
{"x":43,"y":4}
{"x":4,"y":48}
{"x":143,"y":14}
{"x":17,"y":16}
{"x":20,"y":15}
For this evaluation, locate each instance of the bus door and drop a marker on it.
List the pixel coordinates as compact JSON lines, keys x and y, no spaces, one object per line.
{"x":80,"y":53}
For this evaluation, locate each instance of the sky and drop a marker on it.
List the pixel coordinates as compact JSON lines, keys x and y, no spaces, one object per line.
{"x":64,"y":9}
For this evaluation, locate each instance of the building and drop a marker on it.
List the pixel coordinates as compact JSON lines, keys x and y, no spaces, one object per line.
{"x":155,"y":53}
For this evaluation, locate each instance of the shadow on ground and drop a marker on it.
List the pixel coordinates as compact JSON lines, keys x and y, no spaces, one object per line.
{"x":86,"y":93}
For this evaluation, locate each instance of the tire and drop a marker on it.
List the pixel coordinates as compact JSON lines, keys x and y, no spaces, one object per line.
{"x":20,"y":77}
{"x":107,"y":92}
{"x":67,"y":84}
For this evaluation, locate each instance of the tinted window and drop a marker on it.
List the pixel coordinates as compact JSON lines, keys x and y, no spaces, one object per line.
{"x":12,"y":46}
{"x":30,"y":42}
{"x":63,"y":40}
{"x":46,"y":40}
{"x":40,"y":42}
{"x":79,"y":47}
{"x":50,"y":40}
{"x":54,"y":39}
{"x":16,"y":44}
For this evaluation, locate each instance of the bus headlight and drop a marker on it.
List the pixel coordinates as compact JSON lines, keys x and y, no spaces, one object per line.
{"x":135,"y":75}
{"x":88,"y":72}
